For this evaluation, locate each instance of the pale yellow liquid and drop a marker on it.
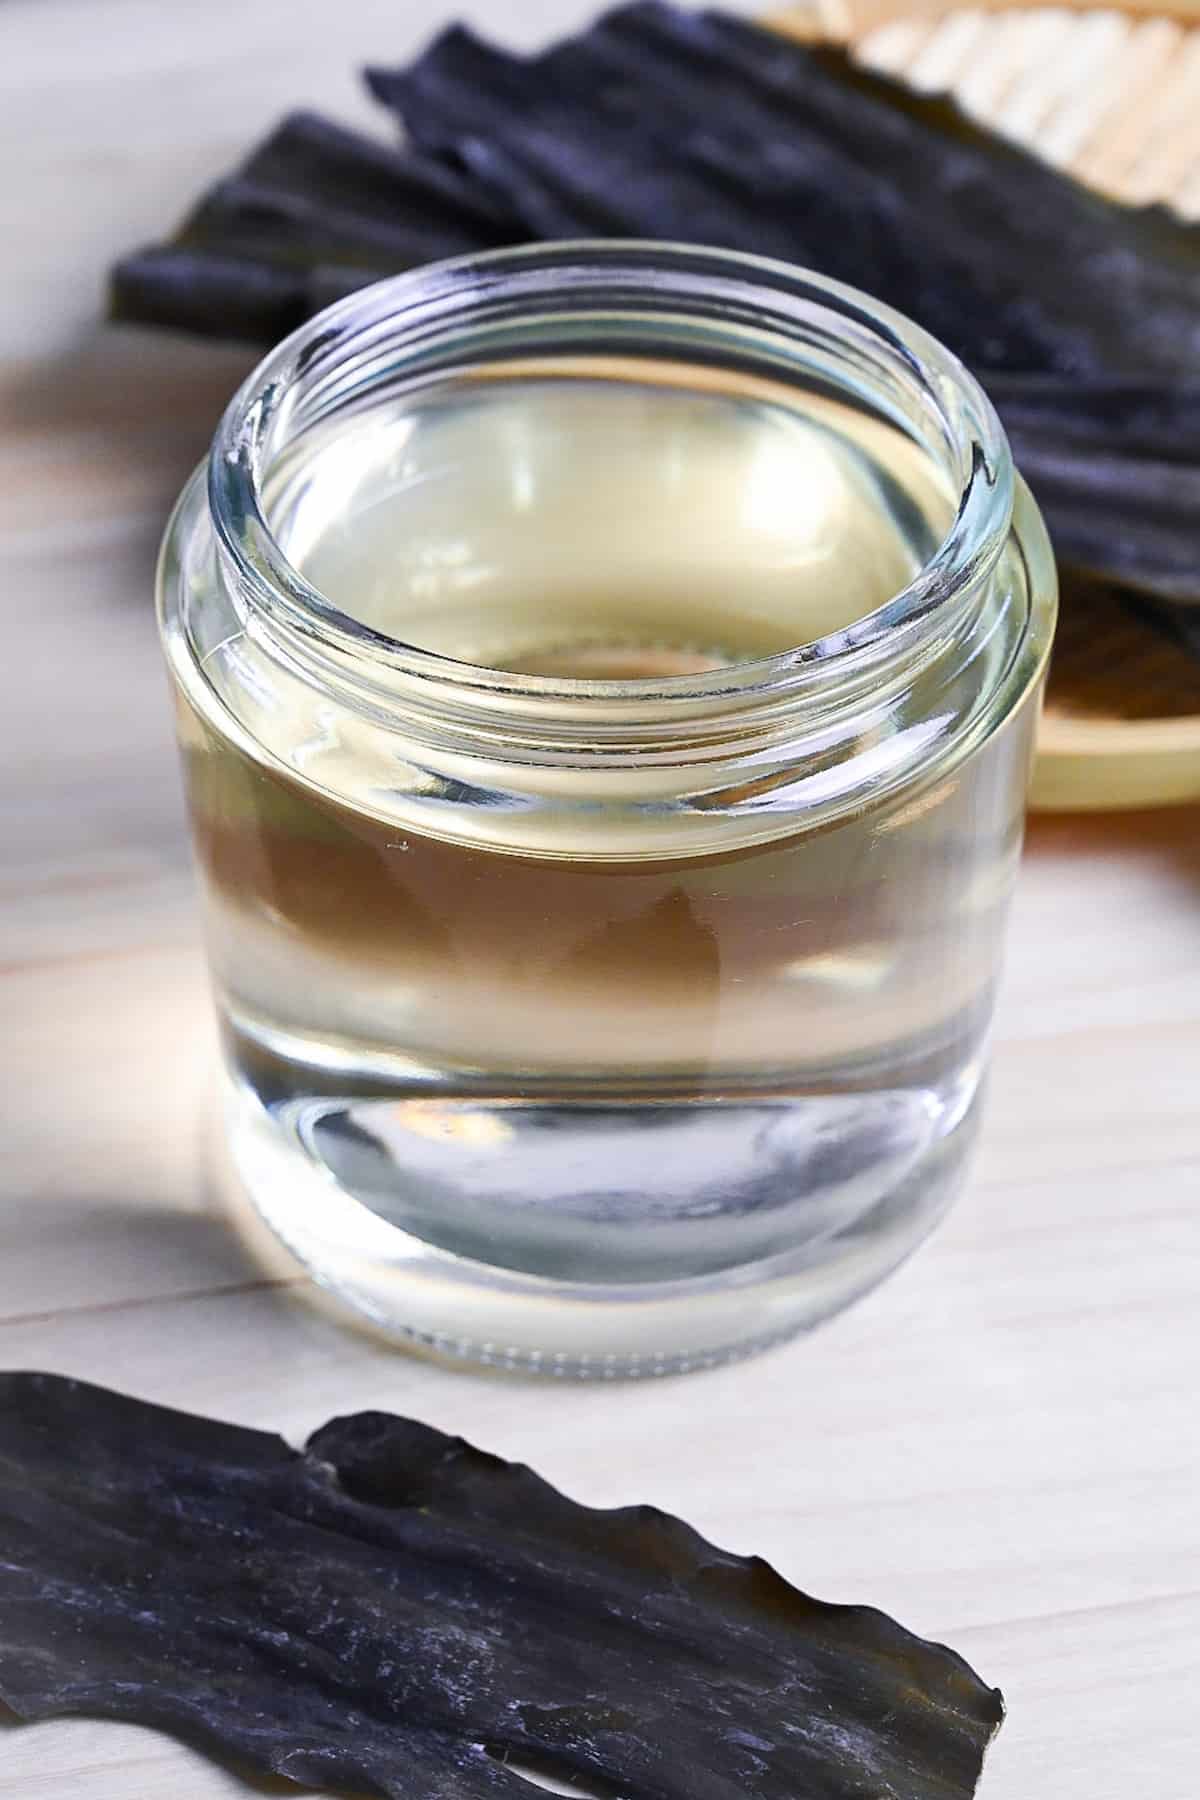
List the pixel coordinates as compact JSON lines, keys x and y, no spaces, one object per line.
{"x":604,"y":530}
{"x":601,"y":1058}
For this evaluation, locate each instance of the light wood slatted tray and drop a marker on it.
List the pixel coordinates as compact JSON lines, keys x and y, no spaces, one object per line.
{"x":1114,"y":96}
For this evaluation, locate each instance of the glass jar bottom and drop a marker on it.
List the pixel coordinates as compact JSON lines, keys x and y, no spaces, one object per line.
{"x":387,"y":1214}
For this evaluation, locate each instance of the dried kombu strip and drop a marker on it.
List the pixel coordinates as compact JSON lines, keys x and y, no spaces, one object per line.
{"x":215,"y":295}
{"x":1132,"y":299}
{"x":660,"y":123}
{"x":1081,"y":315}
{"x":393,"y":1611}
{"x":315,"y":194}
{"x":1115,"y":466}
{"x":323,"y":162}
{"x":1140,"y":418}
{"x":315,"y":212}
{"x":831,"y":165}
{"x":1131,"y":520}
{"x":585,"y":141}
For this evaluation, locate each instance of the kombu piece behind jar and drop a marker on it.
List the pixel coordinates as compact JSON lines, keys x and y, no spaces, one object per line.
{"x":392,"y":1611}
{"x":1081,"y":315}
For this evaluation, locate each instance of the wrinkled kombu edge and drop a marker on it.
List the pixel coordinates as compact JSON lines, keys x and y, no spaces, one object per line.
{"x":392,"y":1611}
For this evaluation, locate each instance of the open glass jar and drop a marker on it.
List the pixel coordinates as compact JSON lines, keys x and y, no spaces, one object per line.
{"x":606,"y":678}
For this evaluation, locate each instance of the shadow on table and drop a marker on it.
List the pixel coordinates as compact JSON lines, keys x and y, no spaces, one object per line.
{"x":156,"y":1244}
{"x":120,"y":418}
{"x":1169,"y":835}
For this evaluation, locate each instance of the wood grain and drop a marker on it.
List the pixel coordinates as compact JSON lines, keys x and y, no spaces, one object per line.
{"x":1001,"y":1446}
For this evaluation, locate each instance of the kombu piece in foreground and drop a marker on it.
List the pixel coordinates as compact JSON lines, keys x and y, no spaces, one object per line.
{"x":392,"y":1611}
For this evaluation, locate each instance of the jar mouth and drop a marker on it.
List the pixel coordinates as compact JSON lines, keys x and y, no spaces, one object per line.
{"x":751,"y":314}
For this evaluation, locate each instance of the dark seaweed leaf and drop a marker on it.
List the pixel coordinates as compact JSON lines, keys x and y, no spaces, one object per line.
{"x":1082,"y":316}
{"x":1131,"y":298}
{"x":214,"y":296}
{"x":307,"y":155}
{"x":224,"y":296}
{"x":1132,"y":520}
{"x":828,"y":164}
{"x":610,"y":140}
{"x":1138,"y":418}
{"x":315,"y":212}
{"x":393,"y":1610}
{"x":1115,"y":467}
{"x":614,"y":132}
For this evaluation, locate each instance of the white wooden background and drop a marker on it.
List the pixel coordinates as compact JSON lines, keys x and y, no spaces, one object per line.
{"x":1002,"y":1446}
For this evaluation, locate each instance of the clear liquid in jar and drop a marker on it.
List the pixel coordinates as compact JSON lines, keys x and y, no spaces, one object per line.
{"x":617,"y":1063}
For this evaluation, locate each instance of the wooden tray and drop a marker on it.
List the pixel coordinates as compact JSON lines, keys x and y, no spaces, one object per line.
{"x":1115,"y":97}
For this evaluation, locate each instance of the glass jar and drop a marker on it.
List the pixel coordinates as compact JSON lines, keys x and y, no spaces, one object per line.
{"x":606,"y":680}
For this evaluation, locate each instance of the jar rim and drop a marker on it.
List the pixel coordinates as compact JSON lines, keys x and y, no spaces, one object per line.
{"x":618,"y":274}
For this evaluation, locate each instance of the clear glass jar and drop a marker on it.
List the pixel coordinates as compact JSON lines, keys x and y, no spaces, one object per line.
{"x":606,"y":679}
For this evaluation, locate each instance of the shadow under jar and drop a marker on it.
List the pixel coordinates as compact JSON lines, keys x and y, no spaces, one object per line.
{"x":606,"y":678}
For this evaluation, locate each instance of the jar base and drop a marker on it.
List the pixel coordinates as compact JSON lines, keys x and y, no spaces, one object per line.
{"x":463,"y":1308}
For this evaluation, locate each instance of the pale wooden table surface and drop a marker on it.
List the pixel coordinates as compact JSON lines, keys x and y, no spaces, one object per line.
{"x":1002,"y":1446}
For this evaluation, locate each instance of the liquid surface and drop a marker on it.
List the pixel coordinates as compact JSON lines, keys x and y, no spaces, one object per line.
{"x":617,"y":1066}
{"x":604,"y":529}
